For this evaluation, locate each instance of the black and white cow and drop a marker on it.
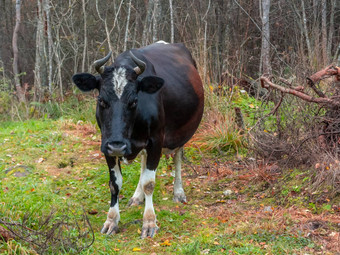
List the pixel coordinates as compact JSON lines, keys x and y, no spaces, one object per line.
{"x":150,"y":101}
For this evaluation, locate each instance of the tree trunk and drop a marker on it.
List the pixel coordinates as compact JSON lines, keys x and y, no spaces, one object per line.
{"x":155,"y":20}
{"x":20,"y":91}
{"x":172,"y":36}
{"x":50,"y":44}
{"x":324,"y":31}
{"x":331,"y":28}
{"x":37,"y":69}
{"x":305,"y":30}
{"x":265,"y":67}
{"x":85,"y":36}
{"x":126,"y":37}
{"x":147,"y":23}
{"x":205,"y":50}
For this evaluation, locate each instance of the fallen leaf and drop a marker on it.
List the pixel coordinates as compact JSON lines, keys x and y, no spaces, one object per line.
{"x":166,"y":243}
{"x":93,"y":212}
{"x":136,"y":249}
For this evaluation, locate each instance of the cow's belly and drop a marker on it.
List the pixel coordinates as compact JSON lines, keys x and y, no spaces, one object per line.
{"x":176,"y":137}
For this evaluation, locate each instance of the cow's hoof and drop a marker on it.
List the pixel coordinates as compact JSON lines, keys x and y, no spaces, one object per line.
{"x":135,"y":201}
{"x":180,"y":198}
{"x":109,"y":228}
{"x":149,"y":230}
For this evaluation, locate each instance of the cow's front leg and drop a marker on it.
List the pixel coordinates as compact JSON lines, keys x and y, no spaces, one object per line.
{"x":149,"y":219}
{"x":138,"y":196}
{"x":179,"y":195}
{"x":111,"y":223}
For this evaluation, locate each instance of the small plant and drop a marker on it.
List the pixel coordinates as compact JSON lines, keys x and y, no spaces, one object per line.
{"x":54,"y":233}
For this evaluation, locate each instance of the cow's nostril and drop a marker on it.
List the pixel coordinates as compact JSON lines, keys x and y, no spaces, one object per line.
{"x":116,"y":149}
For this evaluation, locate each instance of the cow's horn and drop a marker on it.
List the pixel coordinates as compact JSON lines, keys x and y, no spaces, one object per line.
{"x":98,"y":64}
{"x":140,"y":64}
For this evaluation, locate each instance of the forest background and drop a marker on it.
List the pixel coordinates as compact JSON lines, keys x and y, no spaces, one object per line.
{"x":270,"y":134}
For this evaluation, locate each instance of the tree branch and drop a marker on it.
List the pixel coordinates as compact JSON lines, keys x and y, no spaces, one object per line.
{"x":324,"y":73}
{"x":266,"y":83}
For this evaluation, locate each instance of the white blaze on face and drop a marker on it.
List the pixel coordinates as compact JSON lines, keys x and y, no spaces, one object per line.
{"x":119,"y":81}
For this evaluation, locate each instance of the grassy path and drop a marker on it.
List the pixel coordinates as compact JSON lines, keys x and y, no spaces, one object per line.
{"x":65,"y":173}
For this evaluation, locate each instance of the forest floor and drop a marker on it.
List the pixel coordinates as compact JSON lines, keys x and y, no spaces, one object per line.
{"x":233,"y":207}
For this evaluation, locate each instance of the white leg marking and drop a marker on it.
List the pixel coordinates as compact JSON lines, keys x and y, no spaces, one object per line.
{"x":119,"y":81}
{"x":179,"y":195}
{"x":111,"y":223}
{"x":138,"y":196}
{"x":118,"y":174}
{"x":113,"y":216}
{"x":149,"y":219}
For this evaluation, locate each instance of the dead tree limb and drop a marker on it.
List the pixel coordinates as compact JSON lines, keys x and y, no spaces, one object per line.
{"x":266,"y":83}
{"x":330,"y":70}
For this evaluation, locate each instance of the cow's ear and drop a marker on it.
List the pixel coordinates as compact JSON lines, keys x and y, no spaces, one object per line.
{"x":86,"y":81}
{"x":150,"y":84}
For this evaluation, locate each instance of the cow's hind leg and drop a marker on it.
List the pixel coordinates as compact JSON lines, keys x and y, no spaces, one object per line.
{"x":138,"y":196}
{"x":179,"y":195}
{"x":113,"y":216}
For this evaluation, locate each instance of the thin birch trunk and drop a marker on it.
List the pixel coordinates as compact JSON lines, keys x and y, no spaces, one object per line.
{"x":37,"y":69}
{"x":205,"y":43}
{"x":331,"y":28}
{"x":50,"y":44}
{"x":85,"y":36}
{"x":58,"y":59}
{"x":265,"y":67}
{"x":172,"y":37}
{"x":305,"y":30}
{"x":156,"y":16}
{"x":107,"y":31}
{"x":126,"y":37}
{"x":19,"y":89}
{"x":147,"y":23}
{"x":324,"y":31}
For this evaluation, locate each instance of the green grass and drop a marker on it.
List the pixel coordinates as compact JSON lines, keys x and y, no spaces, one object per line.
{"x":68,"y":174}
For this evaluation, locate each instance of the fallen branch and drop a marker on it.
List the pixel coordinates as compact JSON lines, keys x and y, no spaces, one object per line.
{"x":266,"y":83}
{"x":330,"y":70}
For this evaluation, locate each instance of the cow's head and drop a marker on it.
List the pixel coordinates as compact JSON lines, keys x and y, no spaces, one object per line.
{"x":117,"y":105}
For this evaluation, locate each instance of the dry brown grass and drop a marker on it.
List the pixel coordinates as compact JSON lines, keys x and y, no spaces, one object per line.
{"x":219,"y":133}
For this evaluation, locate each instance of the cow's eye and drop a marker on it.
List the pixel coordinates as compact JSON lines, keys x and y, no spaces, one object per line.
{"x":102,"y":103}
{"x":133,"y":103}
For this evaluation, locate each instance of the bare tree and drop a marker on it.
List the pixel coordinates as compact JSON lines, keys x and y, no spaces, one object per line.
{"x":85,"y":36}
{"x":155,"y":20}
{"x":46,"y":8}
{"x":172,"y":35}
{"x":331,"y":27}
{"x":265,"y":67}
{"x":127,"y":26}
{"x":305,"y":30}
{"x":147,"y":22}
{"x":20,"y":91}
{"x":324,"y":31}
{"x":41,"y":78}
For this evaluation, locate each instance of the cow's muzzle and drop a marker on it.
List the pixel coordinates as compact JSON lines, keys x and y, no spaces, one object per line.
{"x":117,"y":149}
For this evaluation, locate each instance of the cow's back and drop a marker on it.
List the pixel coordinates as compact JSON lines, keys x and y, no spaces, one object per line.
{"x":182,"y":94}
